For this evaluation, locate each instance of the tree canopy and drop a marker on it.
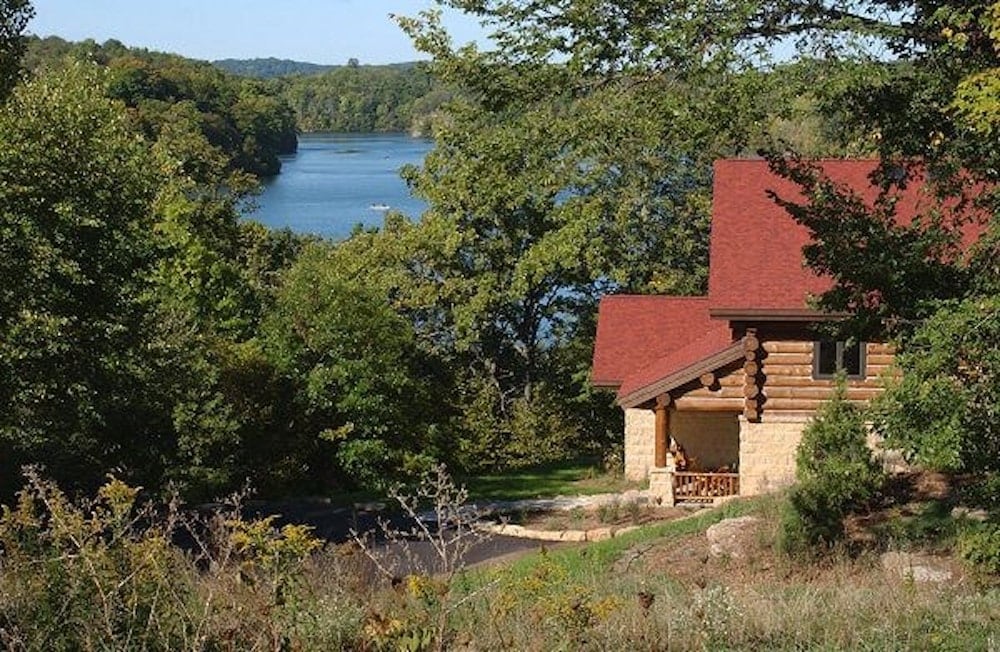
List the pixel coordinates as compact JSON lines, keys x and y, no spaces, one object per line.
{"x":247,"y":120}
{"x":147,"y":327}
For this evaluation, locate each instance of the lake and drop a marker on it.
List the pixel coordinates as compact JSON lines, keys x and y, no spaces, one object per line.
{"x":336,"y":181}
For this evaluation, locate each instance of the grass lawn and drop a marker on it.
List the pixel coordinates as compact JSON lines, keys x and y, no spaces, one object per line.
{"x":581,"y":476}
{"x":566,"y":478}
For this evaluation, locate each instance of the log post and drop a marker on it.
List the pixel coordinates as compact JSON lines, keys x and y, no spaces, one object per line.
{"x":662,"y":425}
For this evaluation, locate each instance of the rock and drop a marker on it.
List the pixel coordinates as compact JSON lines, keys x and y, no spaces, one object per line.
{"x":573,"y":535}
{"x":915,"y":567}
{"x":599,"y":534}
{"x":634,"y":496}
{"x":727,"y":537}
{"x":972,"y":514}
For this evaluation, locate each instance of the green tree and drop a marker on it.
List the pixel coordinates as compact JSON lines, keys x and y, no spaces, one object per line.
{"x":835,"y":475}
{"x":76,"y":200}
{"x":14,"y":18}
{"x":943,"y":411}
{"x":357,"y":98}
{"x":361,"y":385}
{"x":245,"y":118}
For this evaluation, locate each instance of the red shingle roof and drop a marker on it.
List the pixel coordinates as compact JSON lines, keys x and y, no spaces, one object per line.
{"x":756,"y":247}
{"x":711,"y":343}
{"x":634,"y":330}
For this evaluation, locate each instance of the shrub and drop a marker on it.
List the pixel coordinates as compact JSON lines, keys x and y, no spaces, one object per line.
{"x":105,"y":574}
{"x":497,"y":431}
{"x":613,"y":460}
{"x":836,"y":475}
{"x":981,"y":547}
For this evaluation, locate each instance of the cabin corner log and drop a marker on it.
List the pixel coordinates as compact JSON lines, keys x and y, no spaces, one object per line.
{"x":751,"y":379}
{"x":707,"y":379}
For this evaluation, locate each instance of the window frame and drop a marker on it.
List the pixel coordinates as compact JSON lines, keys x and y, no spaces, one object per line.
{"x":841,"y":347}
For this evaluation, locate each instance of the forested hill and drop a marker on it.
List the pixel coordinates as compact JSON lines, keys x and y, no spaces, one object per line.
{"x":352,"y":97}
{"x":269,"y":67}
{"x":358,"y":98}
{"x":303,"y":97}
{"x":247,"y":120}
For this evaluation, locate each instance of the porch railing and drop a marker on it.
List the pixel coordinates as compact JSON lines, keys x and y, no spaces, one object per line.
{"x":704,"y":487}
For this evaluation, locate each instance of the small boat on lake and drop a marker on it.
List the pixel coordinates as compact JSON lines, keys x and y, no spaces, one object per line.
{"x":379,"y":207}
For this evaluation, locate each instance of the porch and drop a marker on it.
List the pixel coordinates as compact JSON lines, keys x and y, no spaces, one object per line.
{"x":696,"y":456}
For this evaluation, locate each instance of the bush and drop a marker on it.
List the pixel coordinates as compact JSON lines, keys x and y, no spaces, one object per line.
{"x":981,"y":547}
{"x":499,"y":432}
{"x":836,"y":475}
{"x":105,"y":574}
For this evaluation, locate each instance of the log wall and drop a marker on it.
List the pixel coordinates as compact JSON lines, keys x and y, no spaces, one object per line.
{"x":725,"y":394}
{"x":786,"y":382}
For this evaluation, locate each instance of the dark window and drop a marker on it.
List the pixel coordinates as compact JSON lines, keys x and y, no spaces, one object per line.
{"x":829,"y":357}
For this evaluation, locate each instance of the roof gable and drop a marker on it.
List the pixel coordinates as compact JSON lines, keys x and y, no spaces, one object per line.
{"x":713,"y":349}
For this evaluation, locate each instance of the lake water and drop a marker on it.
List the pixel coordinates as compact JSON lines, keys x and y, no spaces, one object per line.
{"x":336,"y":181}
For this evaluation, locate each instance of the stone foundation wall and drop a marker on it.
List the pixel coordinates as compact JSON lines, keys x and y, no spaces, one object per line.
{"x":710,"y":439}
{"x":767,"y":452}
{"x":640,"y":432}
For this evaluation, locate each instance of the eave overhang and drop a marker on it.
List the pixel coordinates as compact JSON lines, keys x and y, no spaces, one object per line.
{"x":731,"y":353}
{"x":775,"y":314}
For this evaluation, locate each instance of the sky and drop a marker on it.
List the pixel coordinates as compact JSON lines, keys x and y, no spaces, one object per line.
{"x":317,"y":31}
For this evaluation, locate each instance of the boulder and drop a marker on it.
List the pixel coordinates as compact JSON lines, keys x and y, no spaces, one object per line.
{"x":728,"y":537}
{"x":969,"y":513}
{"x":916,"y":567}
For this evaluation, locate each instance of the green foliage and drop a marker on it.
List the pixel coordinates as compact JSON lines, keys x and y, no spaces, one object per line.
{"x":361,"y":382}
{"x":497,"y":434}
{"x":76,"y":193}
{"x":245,"y":119}
{"x":105,"y":573}
{"x":14,"y":18}
{"x":74,"y":575}
{"x":943,"y":411}
{"x":269,"y":67}
{"x":835,"y":475}
{"x":364,"y":98}
{"x":980,"y":546}
{"x":135,"y":290}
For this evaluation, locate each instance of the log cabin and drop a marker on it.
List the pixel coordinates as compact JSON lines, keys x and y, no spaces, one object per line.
{"x":717,"y":389}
